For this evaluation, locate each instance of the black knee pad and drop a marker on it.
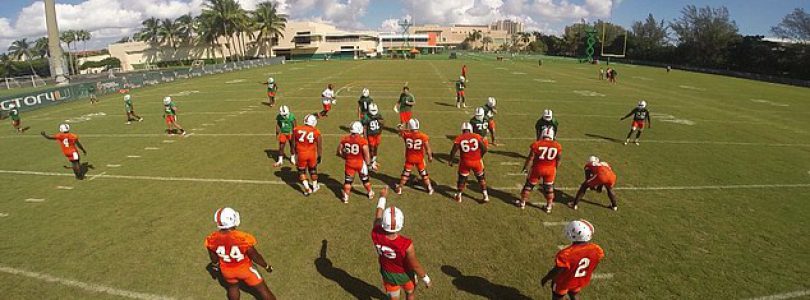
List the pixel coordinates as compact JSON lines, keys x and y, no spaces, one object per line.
{"x":528,"y":187}
{"x":481,"y":177}
{"x":461,"y":179}
{"x":348,"y":179}
{"x":423,"y":173}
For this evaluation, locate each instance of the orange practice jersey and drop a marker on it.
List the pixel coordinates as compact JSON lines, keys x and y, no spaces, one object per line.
{"x":231,"y":247}
{"x":305,"y":139}
{"x":579,"y":261}
{"x":352,"y":146}
{"x":67,"y":141}
{"x":546,"y":153}
{"x":599,"y":169}
{"x":470,"y":144}
{"x":414,"y":145}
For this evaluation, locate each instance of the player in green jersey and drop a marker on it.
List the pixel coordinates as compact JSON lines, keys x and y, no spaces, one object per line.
{"x":404,"y":107}
{"x":461,"y":100}
{"x":170,"y":114}
{"x":14,"y":114}
{"x":363,"y":103}
{"x":480,"y":123}
{"x":131,"y":116}
{"x":285,"y":122}
{"x":546,"y":121}
{"x":272,"y":89}
{"x":373,"y":122}
{"x":640,"y":116}
{"x":91,"y":90}
{"x":489,"y":113}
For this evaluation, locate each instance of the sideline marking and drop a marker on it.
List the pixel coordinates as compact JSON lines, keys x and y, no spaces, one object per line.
{"x":34,"y":200}
{"x":514,"y":163}
{"x":602,"y":276}
{"x":133,"y":156}
{"x":97,"y":288}
{"x":207,"y":124}
{"x":96,"y":176}
{"x":516,"y":174}
{"x":113,"y":166}
{"x":588,"y":93}
{"x":790,"y":295}
{"x":549,"y":224}
{"x":151,"y":148}
{"x":168,"y":141}
{"x":694,"y":88}
{"x":62,"y":187}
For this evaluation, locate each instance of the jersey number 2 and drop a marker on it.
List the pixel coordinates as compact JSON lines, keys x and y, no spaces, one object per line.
{"x":234,"y":254}
{"x":582,"y":270}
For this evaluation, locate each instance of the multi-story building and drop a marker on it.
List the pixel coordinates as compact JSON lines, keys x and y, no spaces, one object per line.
{"x":510,"y":26}
{"x":453,"y":36}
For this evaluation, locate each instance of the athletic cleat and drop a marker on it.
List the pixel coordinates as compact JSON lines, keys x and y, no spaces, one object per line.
{"x":370,"y":194}
{"x":486,"y":198}
{"x":573,"y":206}
{"x":345,"y":198}
{"x":464,"y":105}
{"x":547,"y":209}
{"x":315,"y":187}
{"x":430,"y":190}
{"x":307,"y":192}
{"x":458,"y":104}
{"x":636,"y":142}
{"x":278,"y":164}
{"x":140,"y":119}
{"x":128,"y":122}
{"x":457,"y":197}
{"x":520,"y":204}
{"x":614,"y":207}
{"x":398,"y":189}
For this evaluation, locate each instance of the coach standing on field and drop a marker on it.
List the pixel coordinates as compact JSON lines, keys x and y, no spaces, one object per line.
{"x":405,"y":106}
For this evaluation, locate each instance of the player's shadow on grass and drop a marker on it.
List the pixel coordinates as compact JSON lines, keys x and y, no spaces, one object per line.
{"x":481,"y":286}
{"x":242,"y":286}
{"x":332,"y":184}
{"x":444,"y":104}
{"x":391,"y":129}
{"x":607,"y":138}
{"x":290,"y":177}
{"x":344,"y":128}
{"x":272,"y":154}
{"x":352,"y":285}
{"x":510,"y":154}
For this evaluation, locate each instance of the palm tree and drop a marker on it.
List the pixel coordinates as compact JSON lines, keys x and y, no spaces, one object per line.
{"x":474,"y":36}
{"x":150,"y":31}
{"x":208,"y":34}
{"x":486,"y":41}
{"x":69,"y":37}
{"x":169,"y":31}
{"x":224,"y":14}
{"x":41,"y":47}
{"x":188,"y":28}
{"x":7,"y":67}
{"x":83,"y":36}
{"x":525,"y":37}
{"x":21,"y":49}
{"x":270,"y":25}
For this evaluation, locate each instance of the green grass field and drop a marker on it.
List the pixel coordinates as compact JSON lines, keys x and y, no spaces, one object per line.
{"x":713,"y":203}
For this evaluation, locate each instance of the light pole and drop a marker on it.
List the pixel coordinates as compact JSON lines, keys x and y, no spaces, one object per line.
{"x":57,"y":64}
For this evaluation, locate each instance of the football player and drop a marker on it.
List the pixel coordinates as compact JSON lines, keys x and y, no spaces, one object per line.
{"x":272,"y":89}
{"x":285,"y":122}
{"x":598,"y":175}
{"x":464,"y":70}
{"x":489,"y":113}
{"x":373,"y":122}
{"x":546,"y":121}
{"x":353,"y":148}
{"x":404,"y":107}
{"x":131,"y":115}
{"x":472,"y":147}
{"x":307,"y":149}
{"x":640,"y":116}
{"x":544,"y":157}
{"x":363,"y":103}
{"x":416,"y":146}
{"x":574,"y":265}
{"x":14,"y":114}
{"x":68,"y":142}
{"x":480,"y":123}
{"x":327,"y":98}
{"x":170,"y":114}
{"x":461,"y":100}
{"x":399,"y":266}
{"x":233,"y":255}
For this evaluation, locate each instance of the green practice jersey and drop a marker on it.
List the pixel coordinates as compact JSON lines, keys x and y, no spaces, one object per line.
{"x":460,"y":85}
{"x":404,"y":98}
{"x":640,"y":114}
{"x":363,"y":103}
{"x":14,"y":114}
{"x":285,"y":124}
{"x":128,"y":104}
{"x":169,"y":109}
{"x":480,"y":127}
{"x":489,"y":113}
{"x":543,"y":124}
{"x":373,"y":124}
{"x":272,"y":87}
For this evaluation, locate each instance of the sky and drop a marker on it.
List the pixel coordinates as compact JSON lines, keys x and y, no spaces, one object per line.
{"x":110,"y":20}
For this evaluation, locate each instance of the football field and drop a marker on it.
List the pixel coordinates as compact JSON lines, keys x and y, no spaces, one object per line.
{"x":713,"y":203}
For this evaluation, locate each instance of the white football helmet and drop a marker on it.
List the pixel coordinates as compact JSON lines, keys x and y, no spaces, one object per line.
{"x":593,"y":159}
{"x":548,"y":133}
{"x":642,"y":104}
{"x":479,"y":113}
{"x":579,"y":231}
{"x":466,"y":126}
{"x":127,"y":97}
{"x":462,"y":79}
{"x":548,"y":115}
{"x":64,"y":128}
{"x":11,"y":106}
{"x":270,"y":80}
{"x":226,"y":218}
{"x":356,"y":128}
{"x":365,"y":93}
{"x":167,"y":100}
{"x":392,"y":219}
{"x":311,"y":120}
{"x":491,"y":102}
{"x":413,"y":124}
{"x":372,"y":109}
{"x":284,"y":111}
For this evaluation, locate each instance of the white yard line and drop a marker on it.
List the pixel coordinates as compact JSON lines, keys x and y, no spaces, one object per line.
{"x":62,"y":187}
{"x":3,"y":215}
{"x":510,"y":163}
{"x":96,"y":176}
{"x":34,"y":200}
{"x":133,"y":156}
{"x":168,"y":141}
{"x":113,"y":166}
{"x":790,"y":295}
{"x":92,"y":287}
{"x":549,"y":224}
{"x":151,"y":148}
{"x":602,"y":276}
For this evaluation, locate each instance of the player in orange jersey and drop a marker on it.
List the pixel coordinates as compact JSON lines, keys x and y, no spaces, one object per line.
{"x":416,"y":146}
{"x":354,"y":149}
{"x":233,"y":254}
{"x":544,"y":157}
{"x":574,"y":265}
{"x":307,"y":147}
{"x":598,"y":175}
{"x":69,"y":142}
{"x":399,"y":266}
{"x":472,"y":147}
